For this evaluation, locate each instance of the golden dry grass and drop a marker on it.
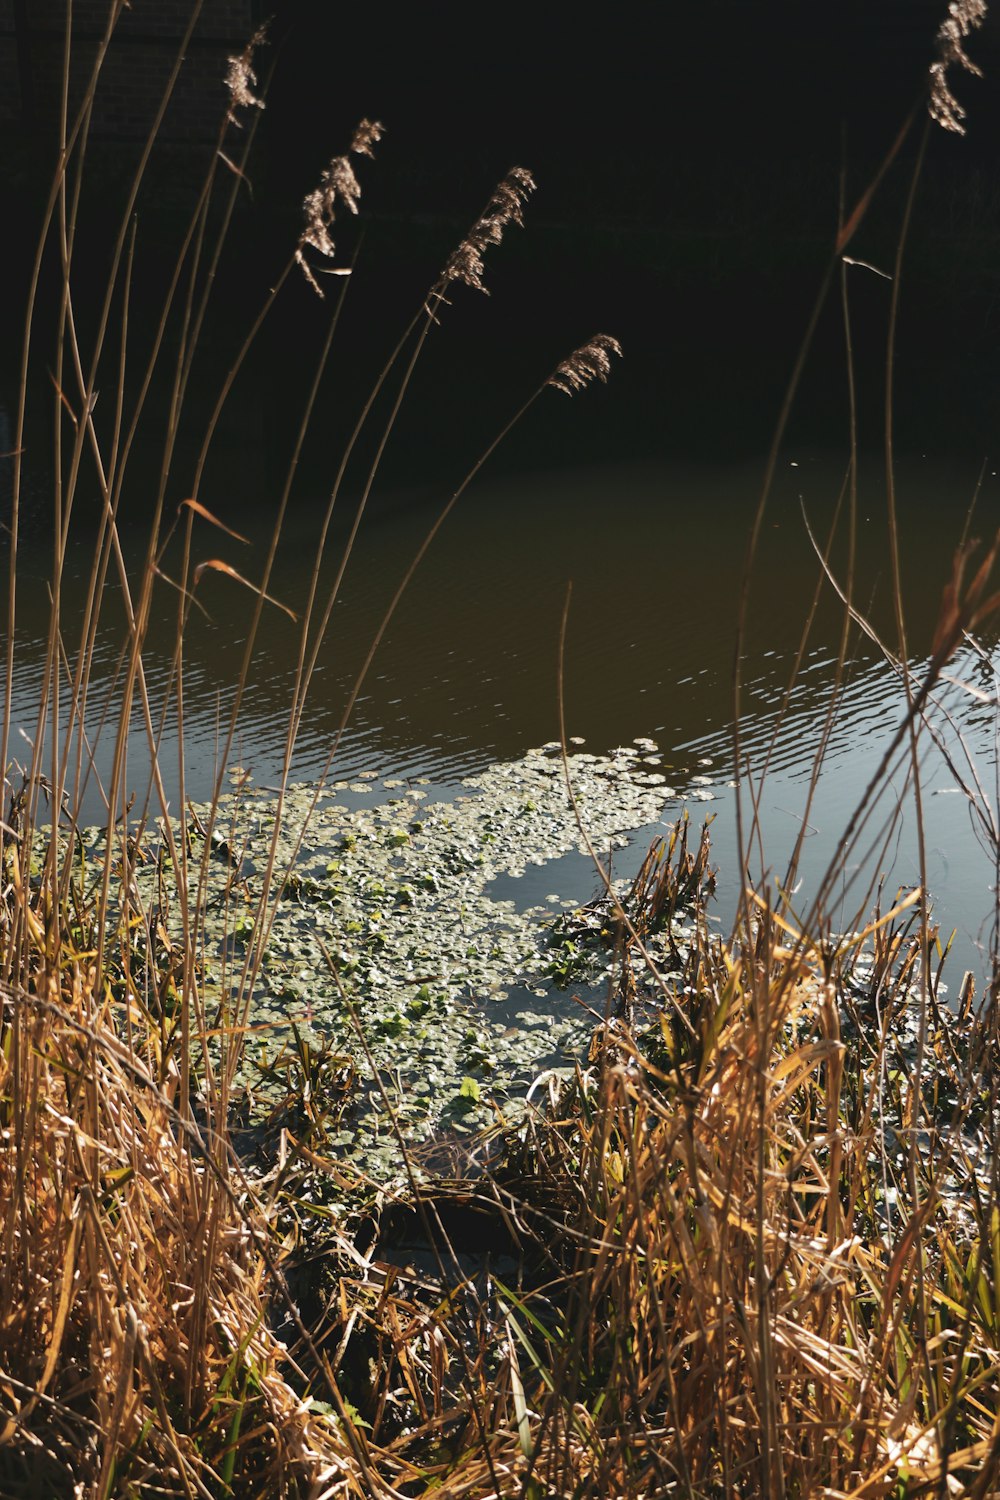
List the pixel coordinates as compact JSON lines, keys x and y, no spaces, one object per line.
{"x":737,"y":1277}
{"x":137,"y":1273}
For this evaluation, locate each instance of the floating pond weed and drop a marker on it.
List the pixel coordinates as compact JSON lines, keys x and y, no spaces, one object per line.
{"x":429,"y":954}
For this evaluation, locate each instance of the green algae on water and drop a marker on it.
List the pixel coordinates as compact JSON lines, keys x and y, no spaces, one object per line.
{"x":463,"y":997}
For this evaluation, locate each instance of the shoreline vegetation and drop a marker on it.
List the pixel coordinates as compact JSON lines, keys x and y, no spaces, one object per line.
{"x":262,"y":1294}
{"x":742,"y":1239}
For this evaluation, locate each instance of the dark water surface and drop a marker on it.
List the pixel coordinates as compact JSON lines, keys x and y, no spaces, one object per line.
{"x":467,"y":673}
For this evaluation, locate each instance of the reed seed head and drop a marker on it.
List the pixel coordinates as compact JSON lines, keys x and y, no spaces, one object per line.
{"x":506,"y":206}
{"x":964,"y":16}
{"x":241,"y":78}
{"x":366,"y":135}
{"x":592,"y":361}
{"x":338,"y":184}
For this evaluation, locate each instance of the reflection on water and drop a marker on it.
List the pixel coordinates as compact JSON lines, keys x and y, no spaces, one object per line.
{"x":468,"y":670}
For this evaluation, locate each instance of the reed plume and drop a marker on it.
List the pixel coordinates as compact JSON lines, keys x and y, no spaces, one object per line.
{"x":338,"y":183}
{"x":506,"y":206}
{"x":964,"y":17}
{"x":592,"y":361}
{"x":367,"y":133}
{"x":241,"y":78}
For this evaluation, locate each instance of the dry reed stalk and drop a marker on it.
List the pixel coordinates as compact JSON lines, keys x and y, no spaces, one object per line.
{"x":165,"y":1392}
{"x":339,"y":182}
{"x":135,"y":1272}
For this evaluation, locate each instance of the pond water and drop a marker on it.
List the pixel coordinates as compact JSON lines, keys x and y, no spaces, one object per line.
{"x":467,"y":673}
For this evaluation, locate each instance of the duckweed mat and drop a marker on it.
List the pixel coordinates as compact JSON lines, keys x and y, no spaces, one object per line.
{"x":386,"y":912}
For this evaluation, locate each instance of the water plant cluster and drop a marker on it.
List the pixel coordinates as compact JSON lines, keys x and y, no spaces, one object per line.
{"x":390,"y":904}
{"x":388,"y":931}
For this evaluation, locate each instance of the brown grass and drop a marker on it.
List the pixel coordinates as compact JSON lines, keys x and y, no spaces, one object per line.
{"x":731,"y":1279}
{"x":135,"y":1278}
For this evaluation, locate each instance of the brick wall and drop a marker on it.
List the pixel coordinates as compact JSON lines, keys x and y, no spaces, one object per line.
{"x":137,"y":66}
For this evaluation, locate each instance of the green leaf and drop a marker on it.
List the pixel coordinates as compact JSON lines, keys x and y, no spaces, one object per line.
{"x":354,"y":1416}
{"x":520,"y":1405}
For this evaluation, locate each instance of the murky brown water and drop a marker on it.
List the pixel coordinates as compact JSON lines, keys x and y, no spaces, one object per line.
{"x":468,"y":671}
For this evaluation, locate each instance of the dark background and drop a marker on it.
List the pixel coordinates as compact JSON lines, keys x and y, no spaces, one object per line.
{"x":689,"y":161}
{"x":689,"y":158}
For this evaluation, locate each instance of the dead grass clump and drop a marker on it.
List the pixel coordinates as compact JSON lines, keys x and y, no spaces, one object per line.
{"x":135,"y":1349}
{"x":734,"y":1276}
{"x":765,"y":1295}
